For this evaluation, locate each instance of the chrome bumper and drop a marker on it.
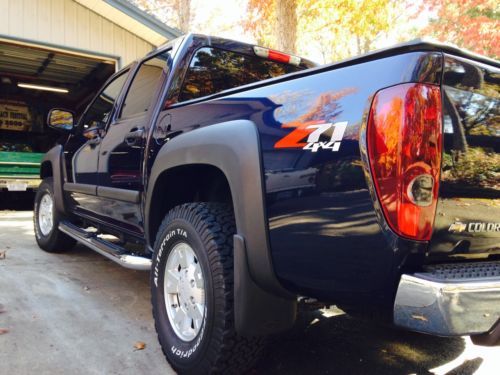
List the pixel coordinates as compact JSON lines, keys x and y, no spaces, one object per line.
{"x":465,"y":302}
{"x":31,"y":183}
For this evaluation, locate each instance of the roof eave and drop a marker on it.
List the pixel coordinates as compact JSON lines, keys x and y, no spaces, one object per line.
{"x":144,"y":18}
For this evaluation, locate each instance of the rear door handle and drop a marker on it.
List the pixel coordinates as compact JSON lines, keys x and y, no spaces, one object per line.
{"x":134,"y":136}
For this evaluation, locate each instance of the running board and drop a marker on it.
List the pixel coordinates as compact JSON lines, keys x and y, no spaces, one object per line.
{"x":111,"y":251}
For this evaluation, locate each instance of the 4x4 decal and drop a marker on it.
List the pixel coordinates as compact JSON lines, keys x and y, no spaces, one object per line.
{"x":313,"y":130}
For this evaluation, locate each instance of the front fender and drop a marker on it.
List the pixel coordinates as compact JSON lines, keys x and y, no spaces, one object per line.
{"x":54,"y":158}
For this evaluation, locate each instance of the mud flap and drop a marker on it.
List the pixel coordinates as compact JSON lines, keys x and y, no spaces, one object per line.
{"x":491,"y":338}
{"x":257,"y":312}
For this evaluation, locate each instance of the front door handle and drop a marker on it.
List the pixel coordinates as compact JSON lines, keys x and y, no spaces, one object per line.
{"x":94,"y":141}
{"x":134,"y":136}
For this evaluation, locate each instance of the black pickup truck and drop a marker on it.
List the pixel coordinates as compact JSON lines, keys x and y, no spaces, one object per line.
{"x":245,"y":178}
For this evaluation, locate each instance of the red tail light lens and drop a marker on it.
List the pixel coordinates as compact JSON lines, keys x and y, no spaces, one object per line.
{"x":404,"y":148}
{"x":276,"y":56}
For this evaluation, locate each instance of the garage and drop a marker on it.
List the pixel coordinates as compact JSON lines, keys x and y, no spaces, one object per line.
{"x":34,"y":80}
{"x":57,"y":53}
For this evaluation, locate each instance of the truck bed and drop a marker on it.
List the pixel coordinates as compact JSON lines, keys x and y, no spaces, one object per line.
{"x":327,"y":234}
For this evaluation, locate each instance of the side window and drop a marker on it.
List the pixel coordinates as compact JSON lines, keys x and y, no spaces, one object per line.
{"x":143,"y":87}
{"x":100,"y":110}
{"x":212,"y":70}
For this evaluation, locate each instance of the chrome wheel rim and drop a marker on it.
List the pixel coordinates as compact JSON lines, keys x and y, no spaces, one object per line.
{"x":45,"y":216}
{"x":184,"y":290}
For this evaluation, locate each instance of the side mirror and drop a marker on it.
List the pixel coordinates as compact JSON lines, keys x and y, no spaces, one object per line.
{"x":60,"y":119}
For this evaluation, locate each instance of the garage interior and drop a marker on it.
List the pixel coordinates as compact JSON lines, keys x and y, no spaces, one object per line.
{"x":39,"y":79}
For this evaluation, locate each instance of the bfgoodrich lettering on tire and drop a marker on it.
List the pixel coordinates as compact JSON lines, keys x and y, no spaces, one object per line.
{"x":192,"y":292}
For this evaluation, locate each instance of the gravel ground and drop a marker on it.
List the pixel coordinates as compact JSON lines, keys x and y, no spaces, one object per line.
{"x":78,"y":313}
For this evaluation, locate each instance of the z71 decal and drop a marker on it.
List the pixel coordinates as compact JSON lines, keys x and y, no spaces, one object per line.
{"x":313,"y":130}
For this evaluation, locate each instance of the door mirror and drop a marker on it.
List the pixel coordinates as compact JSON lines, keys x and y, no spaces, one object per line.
{"x":60,"y":119}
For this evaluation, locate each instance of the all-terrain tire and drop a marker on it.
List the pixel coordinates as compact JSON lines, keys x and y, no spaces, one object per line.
{"x":53,"y":240}
{"x":208,"y":229}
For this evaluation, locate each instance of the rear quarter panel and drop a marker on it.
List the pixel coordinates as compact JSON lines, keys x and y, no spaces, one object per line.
{"x":327,"y":237}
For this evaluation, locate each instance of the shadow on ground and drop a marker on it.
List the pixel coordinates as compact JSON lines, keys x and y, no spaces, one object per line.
{"x":317,"y":345}
{"x":19,"y":201}
{"x":346,"y":345}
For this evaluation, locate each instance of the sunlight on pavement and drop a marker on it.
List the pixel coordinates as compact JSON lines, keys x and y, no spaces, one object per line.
{"x":470,"y":360}
{"x":21,"y":220}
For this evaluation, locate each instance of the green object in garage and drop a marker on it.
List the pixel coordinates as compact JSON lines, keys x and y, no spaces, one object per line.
{"x":19,"y":171}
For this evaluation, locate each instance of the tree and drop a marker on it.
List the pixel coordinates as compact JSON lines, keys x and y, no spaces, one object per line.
{"x":348,"y":27}
{"x":338,"y":28}
{"x":173,"y":12}
{"x":273,"y":23}
{"x":286,"y":25}
{"x":472,"y":24}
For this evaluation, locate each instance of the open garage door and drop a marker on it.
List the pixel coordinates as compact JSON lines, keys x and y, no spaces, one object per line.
{"x":32,"y":81}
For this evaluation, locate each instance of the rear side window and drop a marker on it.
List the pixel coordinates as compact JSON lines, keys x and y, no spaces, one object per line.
{"x":213,"y":70}
{"x":144,"y":85}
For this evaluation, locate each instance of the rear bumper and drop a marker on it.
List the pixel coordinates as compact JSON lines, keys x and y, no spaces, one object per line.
{"x":464,"y":304}
{"x":31,"y":183}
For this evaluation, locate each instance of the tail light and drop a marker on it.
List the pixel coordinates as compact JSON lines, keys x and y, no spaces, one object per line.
{"x":404,"y":148}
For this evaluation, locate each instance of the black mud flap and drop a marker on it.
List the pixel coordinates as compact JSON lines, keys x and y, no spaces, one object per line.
{"x":491,"y":338}
{"x":257,"y":312}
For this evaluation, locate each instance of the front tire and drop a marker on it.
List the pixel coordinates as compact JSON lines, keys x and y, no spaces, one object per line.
{"x":192,"y":292}
{"x":46,"y":220}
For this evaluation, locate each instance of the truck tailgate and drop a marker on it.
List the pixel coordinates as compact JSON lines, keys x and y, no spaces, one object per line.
{"x":467,"y":223}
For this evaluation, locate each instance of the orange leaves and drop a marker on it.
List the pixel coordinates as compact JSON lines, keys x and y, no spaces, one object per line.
{"x":472,"y":24}
{"x":139,"y":345}
{"x":339,"y":28}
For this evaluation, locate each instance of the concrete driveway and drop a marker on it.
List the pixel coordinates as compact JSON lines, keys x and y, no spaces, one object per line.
{"x":78,"y":313}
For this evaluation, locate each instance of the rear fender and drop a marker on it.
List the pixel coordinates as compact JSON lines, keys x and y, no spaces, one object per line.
{"x":233,"y":147}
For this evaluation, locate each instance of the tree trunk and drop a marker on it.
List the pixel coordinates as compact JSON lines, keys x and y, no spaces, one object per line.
{"x":183,"y":9}
{"x":286,"y":25}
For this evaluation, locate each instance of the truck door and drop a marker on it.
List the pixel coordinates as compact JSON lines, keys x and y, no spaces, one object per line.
{"x":81,"y":151}
{"x":121,"y":151}
{"x":93,"y":123}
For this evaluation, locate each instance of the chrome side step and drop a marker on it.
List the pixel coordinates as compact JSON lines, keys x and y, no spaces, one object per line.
{"x":111,"y":251}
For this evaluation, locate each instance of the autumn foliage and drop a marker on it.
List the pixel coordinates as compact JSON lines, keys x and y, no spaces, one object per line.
{"x":331,"y":30}
{"x":473,"y":24}
{"x":339,"y":28}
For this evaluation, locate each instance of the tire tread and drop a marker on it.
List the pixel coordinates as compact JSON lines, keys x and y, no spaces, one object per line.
{"x":215,"y":224}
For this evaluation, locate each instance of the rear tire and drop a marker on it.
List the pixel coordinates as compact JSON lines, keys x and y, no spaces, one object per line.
{"x":46,"y":221}
{"x":205,"y":231}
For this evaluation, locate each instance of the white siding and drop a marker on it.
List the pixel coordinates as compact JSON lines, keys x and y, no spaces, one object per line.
{"x":69,"y":24}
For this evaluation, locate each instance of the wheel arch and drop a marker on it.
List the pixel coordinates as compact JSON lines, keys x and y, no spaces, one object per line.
{"x":192,"y":182}
{"x":233,"y":149}
{"x":51,"y":166}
